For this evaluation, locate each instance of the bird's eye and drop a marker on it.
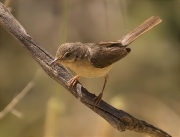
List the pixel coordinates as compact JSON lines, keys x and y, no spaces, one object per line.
{"x":76,"y":58}
{"x":67,"y":54}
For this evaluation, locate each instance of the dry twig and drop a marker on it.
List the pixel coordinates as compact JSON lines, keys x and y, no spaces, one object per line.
{"x":15,"y":101}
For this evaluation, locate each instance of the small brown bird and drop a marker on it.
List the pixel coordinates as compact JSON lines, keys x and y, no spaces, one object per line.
{"x":94,"y":60}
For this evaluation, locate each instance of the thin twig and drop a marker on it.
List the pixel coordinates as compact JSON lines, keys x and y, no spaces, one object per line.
{"x":13,"y":103}
{"x":7,"y":3}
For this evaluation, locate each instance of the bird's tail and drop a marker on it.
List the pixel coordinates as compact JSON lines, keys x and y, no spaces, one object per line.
{"x":144,"y":27}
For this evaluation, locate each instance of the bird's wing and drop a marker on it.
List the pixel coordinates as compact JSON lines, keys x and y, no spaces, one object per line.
{"x":106,"y":53}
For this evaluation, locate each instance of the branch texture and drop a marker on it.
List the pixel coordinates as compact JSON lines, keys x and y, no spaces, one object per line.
{"x":116,"y":118}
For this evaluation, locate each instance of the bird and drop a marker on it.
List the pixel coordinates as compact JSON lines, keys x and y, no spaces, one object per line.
{"x":93,"y":60}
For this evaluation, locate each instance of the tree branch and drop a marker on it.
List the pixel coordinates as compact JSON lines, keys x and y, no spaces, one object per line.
{"x":116,"y":118}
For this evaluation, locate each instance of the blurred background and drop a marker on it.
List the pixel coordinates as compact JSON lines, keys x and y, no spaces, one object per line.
{"x":146,"y":83}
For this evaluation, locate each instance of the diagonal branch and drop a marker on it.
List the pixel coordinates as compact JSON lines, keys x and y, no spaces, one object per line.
{"x":116,"y":118}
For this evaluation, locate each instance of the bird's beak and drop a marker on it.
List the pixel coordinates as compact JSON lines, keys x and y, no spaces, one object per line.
{"x":53,"y":62}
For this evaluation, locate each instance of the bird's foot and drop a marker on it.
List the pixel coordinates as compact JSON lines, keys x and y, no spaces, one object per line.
{"x":97,"y":99}
{"x":73,"y":81}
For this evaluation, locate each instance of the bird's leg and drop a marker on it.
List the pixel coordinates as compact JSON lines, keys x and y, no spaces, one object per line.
{"x":99,"y":97}
{"x":73,"y":81}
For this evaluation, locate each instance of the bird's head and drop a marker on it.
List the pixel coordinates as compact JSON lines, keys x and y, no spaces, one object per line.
{"x":67,"y":53}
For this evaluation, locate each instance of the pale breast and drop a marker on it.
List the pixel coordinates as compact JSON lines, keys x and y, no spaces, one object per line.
{"x":85,"y":69}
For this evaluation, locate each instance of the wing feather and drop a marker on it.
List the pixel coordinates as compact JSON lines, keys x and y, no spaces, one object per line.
{"x":107,"y":53}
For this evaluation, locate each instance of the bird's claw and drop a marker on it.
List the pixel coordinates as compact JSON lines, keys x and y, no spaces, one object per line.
{"x":73,"y":81}
{"x":97,"y":99}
